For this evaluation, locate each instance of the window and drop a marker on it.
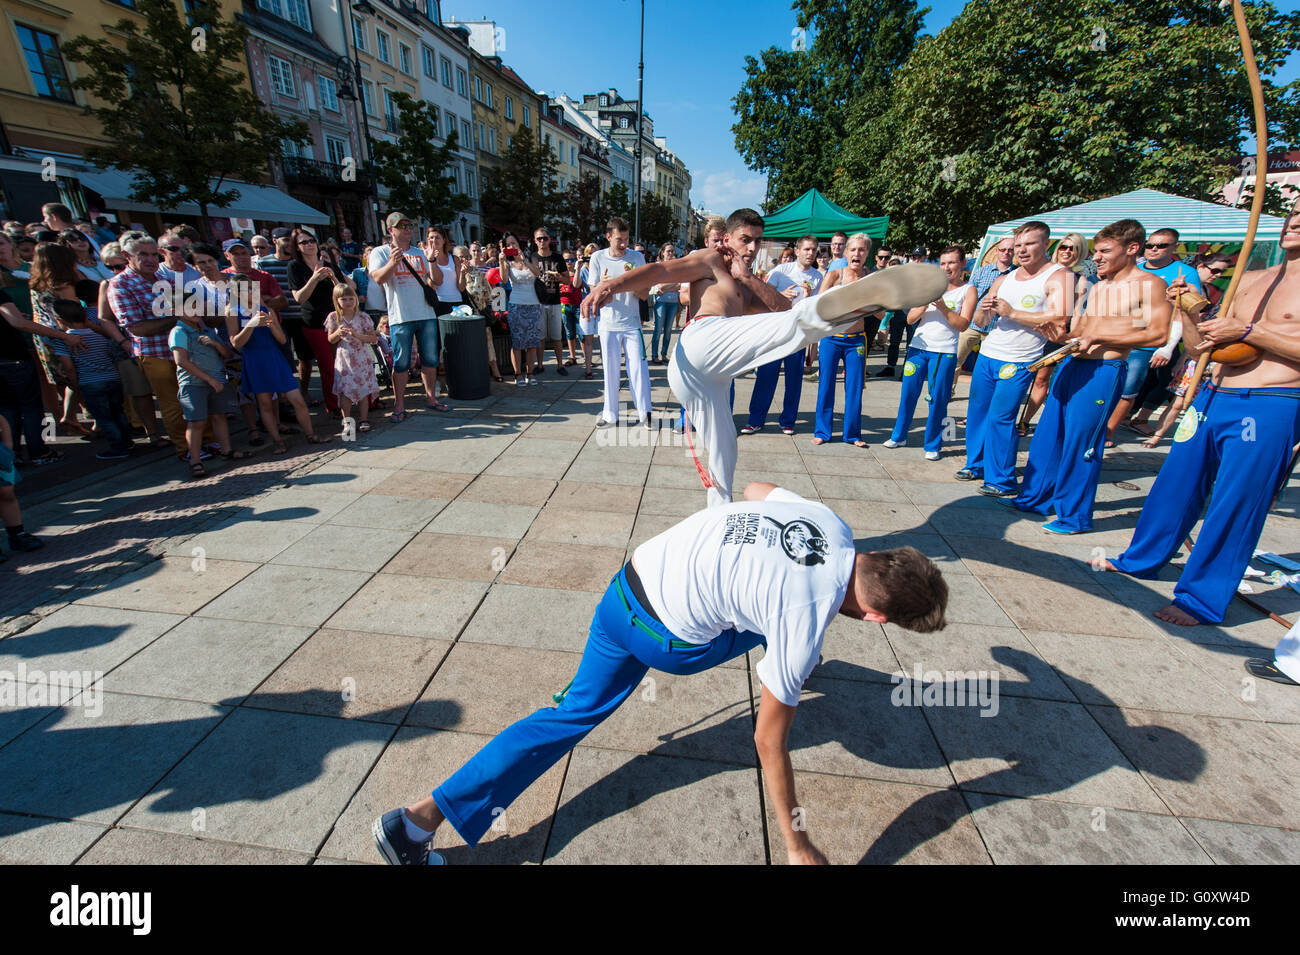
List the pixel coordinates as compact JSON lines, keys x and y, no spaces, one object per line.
{"x":455,"y":177}
{"x":426,"y":59}
{"x":561,"y":182}
{"x":527,"y":120}
{"x":293,"y":149}
{"x":604,"y":100}
{"x":492,"y":140}
{"x":460,"y":82}
{"x":622,"y":122}
{"x":382,"y":47}
{"x":359,"y":35}
{"x":487,"y":95}
{"x":404,"y":57}
{"x":451,"y":123}
{"x":336,"y":149}
{"x":390,"y":110}
{"x":573,"y":155}
{"x":45,"y":63}
{"x":480,"y":136}
{"x":465,"y":137}
{"x":547,"y":138}
{"x":295,"y":11}
{"x":510,"y":108}
{"x":469,"y":183}
{"x":281,"y":76}
{"x":329,"y":95}
{"x":368,"y":95}
{"x":478,"y":89}
{"x":446,"y":72}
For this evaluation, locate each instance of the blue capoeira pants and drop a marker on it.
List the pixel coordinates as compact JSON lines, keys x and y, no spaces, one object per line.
{"x":760,"y":400}
{"x":853,"y":349}
{"x":935,"y":369}
{"x":1065,"y":457}
{"x":623,"y":643}
{"x":996,"y":390}
{"x":1236,"y":443}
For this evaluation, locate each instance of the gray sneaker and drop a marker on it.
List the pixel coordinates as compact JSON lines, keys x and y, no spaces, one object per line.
{"x":396,"y":847}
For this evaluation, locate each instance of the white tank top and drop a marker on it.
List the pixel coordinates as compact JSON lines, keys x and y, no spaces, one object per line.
{"x":1010,"y":341}
{"x":447,"y":290}
{"x":933,"y":333}
{"x":523,"y":286}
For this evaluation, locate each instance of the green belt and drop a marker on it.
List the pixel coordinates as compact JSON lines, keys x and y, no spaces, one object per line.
{"x":673,"y":644}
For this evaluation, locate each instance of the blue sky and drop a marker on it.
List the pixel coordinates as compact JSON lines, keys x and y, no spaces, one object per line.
{"x":694,"y":64}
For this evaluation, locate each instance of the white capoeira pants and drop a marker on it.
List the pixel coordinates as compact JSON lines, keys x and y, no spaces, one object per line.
{"x":1286,"y":657}
{"x":612,"y":346}
{"x":713,"y":350}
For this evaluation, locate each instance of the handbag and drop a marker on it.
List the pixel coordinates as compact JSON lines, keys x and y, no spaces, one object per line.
{"x":430,"y":293}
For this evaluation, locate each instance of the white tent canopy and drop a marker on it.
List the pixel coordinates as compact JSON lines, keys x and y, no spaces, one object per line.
{"x":1196,"y":221}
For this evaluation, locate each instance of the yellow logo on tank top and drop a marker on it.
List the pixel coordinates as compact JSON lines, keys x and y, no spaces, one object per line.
{"x":908,"y":369}
{"x":1186,"y":427}
{"x":1006,"y":371}
{"x":1029,"y":301}
{"x":628,"y":266}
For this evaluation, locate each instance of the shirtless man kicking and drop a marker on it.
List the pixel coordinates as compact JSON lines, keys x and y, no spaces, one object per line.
{"x":1236,"y":440}
{"x":718,"y":345}
{"x":1125,"y":310}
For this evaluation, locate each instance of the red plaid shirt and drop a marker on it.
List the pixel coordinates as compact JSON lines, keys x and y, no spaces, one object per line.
{"x":131,"y":298}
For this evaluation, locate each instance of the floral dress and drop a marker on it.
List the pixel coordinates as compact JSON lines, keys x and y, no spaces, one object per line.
{"x":354,"y":364}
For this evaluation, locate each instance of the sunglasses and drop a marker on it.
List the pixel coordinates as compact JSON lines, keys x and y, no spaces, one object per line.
{"x":1066,"y":248}
{"x":883,"y":256}
{"x":171,"y":248}
{"x":306,"y":241}
{"x":1159,"y":245}
{"x":1217,"y":272}
{"x":119,"y":267}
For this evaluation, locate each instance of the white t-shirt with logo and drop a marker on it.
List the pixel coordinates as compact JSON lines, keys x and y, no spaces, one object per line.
{"x":788,"y":274}
{"x":779,"y":567}
{"x":621,"y":313}
{"x":405,"y":296}
{"x":933,"y":333}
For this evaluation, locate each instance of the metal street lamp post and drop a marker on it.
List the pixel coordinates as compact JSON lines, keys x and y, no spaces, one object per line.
{"x":640,"y":103}
{"x":343,"y":67}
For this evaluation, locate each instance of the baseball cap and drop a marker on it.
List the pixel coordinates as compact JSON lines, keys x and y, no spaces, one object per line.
{"x":281,"y":233}
{"x":394,"y":218}
{"x":231,"y":243}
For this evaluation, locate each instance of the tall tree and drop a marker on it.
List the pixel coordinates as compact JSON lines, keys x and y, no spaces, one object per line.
{"x":580,"y":210}
{"x":1055,"y":104}
{"x":176,"y":113}
{"x":795,"y":105}
{"x":415,"y":169}
{"x":520,"y":195}
{"x":658,"y":221}
{"x":615,"y":202}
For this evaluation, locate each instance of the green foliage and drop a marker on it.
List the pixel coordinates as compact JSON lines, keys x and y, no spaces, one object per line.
{"x":658,"y":222}
{"x":1018,"y":108}
{"x":520,"y":196}
{"x":580,"y":210}
{"x":415,"y":169}
{"x":794,"y":108}
{"x":617,"y":201}
{"x":176,"y":112}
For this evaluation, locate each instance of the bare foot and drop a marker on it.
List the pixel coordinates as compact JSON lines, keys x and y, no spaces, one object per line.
{"x":817,"y":441}
{"x":1152,"y":442}
{"x":1172,"y":614}
{"x":859,"y":444}
{"x":1101,"y":563}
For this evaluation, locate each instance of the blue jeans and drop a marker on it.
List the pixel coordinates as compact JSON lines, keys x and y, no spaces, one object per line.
{"x":621,"y":647}
{"x":665,"y":313}
{"x":403,"y":334}
{"x":853,"y":349}
{"x":996,"y":390}
{"x":569,"y":314}
{"x":1139,"y":363}
{"x":103,"y":399}
{"x":760,"y":399}
{"x":20,"y":403}
{"x":936,"y":371}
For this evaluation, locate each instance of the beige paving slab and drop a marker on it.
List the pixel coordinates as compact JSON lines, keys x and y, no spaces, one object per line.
{"x":563,"y":566}
{"x":432,"y":607}
{"x":1137,"y":674}
{"x":602,"y":472}
{"x":533,"y":617}
{"x":88,"y":765}
{"x":280,"y":593}
{"x":877,"y":517}
{"x":30,"y":840}
{"x":1047,"y":832}
{"x":271,"y":779}
{"x":1226,"y":665}
{"x":475,"y":518}
{"x":1044,"y":605}
{"x":562,"y":430}
{"x":870,"y":822}
{"x":456,"y":556}
{"x":855,"y":650}
{"x":969,"y":602}
{"x":631,"y":807}
{"x":616,"y":498}
{"x":387,"y":512}
{"x":345,"y":479}
{"x":82,"y":637}
{"x":436,"y":485}
{"x":571,"y":525}
{"x":371,"y":457}
{"x":1234,"y":843}
{"x":800,"y":483}
{"x":172,"y":585}
{"x":662,"y":476}
{"x":839,"y":487}
{"x":242,"y":539}
{"x":671,"y":502}
{"x":529,"y":467}
{"x":309,"y":504}
{"x":1211,"y":767}
{"x":1000,"y":558}
{"x":345,"y":547}
{"x":483,"y":688}
{"x":351,"y":674}
{"x":648,"y":526}
{"x":836,"y":458}
{"x":130,"y":846}
{"x":488,"y":489}
{"x":416,"y":761}
{"x":966,"y":648}
{"x":208,"y":660}
{"x":1042,"y":748}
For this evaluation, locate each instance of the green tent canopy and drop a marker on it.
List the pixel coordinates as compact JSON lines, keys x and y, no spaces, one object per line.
{"x":814,"y":214}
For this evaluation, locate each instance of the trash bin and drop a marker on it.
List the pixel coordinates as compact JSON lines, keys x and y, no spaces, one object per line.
{"x":464,"y":341}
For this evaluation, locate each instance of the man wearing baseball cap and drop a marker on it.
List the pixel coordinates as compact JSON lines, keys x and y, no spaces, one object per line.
{"x":277,"y":265}
{"x":404,"y":272}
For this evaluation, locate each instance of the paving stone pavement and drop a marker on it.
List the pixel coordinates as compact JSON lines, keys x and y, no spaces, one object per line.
{"x":293,"y":646}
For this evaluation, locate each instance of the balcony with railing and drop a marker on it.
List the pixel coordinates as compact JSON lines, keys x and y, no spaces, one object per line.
{"x":302,"y":170}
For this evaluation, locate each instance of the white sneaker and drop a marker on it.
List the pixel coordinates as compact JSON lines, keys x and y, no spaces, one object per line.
{"x":891,"y":443}
{"x":932,"y":455}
